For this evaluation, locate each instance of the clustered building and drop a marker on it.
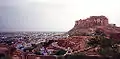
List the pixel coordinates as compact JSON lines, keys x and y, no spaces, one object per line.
{"x":20,"y":45}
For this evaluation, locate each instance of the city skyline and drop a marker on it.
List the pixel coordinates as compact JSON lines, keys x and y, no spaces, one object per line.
{"x":53,"y":15}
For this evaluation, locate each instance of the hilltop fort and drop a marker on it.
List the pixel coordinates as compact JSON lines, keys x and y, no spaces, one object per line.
{"x":89,"y":26}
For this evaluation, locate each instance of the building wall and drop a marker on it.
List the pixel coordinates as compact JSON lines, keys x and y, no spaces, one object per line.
{"x":92,"y":21}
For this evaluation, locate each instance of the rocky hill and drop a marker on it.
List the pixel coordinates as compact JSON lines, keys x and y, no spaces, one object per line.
{"x":89,"y":26}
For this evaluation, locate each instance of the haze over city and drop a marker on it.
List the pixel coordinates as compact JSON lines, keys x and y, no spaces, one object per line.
{"x":53,"y":15}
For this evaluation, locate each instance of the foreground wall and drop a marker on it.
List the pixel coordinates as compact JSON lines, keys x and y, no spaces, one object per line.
{"x":63,"y":57}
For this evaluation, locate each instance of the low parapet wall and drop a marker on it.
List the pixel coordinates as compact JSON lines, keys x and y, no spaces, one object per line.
{"x":32,"y":56}
{"x":62,"y":57}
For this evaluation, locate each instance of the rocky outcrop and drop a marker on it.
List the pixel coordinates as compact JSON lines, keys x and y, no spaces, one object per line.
{"x":85,"y":29}
{"x":76,"y":44}
{"x":89,"y":26}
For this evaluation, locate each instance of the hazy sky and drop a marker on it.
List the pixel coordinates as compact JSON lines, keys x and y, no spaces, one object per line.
{"x":53,"y":15}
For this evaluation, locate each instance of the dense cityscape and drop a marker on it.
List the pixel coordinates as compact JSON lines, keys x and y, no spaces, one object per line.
{"x":28,"y":42}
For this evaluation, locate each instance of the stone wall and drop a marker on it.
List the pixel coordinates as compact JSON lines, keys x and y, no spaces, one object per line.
{"x":66,"y":57}
{"x":92,"y":21}
{"x":32,"y":56}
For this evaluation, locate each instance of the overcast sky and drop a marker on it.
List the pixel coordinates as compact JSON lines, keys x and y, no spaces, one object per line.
{"x":53,"y":15}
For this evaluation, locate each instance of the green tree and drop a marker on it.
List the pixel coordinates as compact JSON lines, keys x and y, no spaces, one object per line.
{"x":60,"y":52}
{"x":108,"y":47}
